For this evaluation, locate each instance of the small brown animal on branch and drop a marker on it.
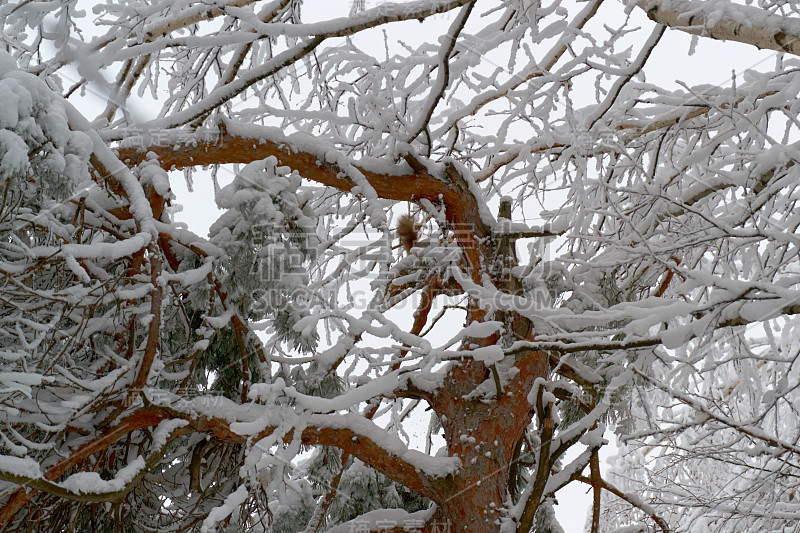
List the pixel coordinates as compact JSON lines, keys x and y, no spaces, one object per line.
{"x":408,"y":232}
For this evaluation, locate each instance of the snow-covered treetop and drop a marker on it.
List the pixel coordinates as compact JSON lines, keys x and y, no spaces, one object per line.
{"x":270,"y":376}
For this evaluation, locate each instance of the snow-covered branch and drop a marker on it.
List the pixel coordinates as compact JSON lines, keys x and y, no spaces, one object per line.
{"x":728,"y":21}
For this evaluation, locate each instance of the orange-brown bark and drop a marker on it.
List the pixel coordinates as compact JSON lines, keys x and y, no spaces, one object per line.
{"x":450,"y":190}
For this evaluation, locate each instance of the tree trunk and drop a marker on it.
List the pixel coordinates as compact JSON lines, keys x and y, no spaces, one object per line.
{"x":484,"y":434}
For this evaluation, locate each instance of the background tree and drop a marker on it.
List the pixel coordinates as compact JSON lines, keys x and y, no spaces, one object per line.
{"x":157,"y":380}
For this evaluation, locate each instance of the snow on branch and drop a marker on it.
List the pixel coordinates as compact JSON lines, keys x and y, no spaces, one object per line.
{"x":349,"y":432}
{"x":728,"y":21}
{"x":314,"y":160}
{"x":89,"y":486}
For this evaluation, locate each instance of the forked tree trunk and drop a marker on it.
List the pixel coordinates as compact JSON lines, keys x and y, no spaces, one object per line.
{"x":484,"y":431}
